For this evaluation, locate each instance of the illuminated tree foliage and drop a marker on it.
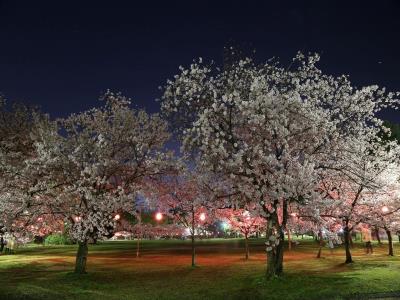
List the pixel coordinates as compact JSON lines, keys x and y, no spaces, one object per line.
{"x":272,"y":130}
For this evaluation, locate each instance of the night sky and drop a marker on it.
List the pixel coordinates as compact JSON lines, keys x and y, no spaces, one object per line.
{"x":62,"y":54}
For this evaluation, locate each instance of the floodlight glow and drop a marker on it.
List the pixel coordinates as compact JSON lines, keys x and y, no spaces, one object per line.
{"x":159,"y":216}
{"x":225,"y":226}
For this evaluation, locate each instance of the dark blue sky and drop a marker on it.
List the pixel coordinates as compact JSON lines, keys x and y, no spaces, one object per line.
{"x":62,"y":54}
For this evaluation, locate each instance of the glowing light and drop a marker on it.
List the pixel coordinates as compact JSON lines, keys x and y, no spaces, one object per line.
{"x":202,"y":216}
{"x":117,"y":217}
{"x":159,"y":216}
{"x":293,"y":214}
{"x":225,"y":226}
{"x":186,"y":232}
{"x":78,"y":219}
{"x":385,"y":209}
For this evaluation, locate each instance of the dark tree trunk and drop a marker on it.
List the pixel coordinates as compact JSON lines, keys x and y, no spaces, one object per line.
{"x":138,"y":247}
{"x":140,"y":233}
{"x":378,"y":238}
{"x":275,"y":256}
{"x":275,"y":261}
{"x":347,"y":237}
{"x":246,"y":243}
{"x":193,"y":245}
{"x":390,"y":241}
{"x":81,"y":258}
{"x":193,"y":252}
{"x":315,"y":237}
{"x":321,"y":244}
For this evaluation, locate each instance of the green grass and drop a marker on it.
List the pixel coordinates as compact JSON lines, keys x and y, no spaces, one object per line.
{"x":163,"y":272}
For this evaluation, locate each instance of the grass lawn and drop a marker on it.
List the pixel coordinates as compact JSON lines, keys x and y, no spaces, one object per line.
{"x":164,"y":272}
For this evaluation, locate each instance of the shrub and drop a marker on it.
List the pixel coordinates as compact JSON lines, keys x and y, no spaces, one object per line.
{"x":57,"y":239}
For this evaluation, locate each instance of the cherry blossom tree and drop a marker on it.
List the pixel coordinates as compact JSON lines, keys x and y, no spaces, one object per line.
{"x":390,"y":222}
{"x":357,"y":184}
{"x":99,"y":159}
{"x":385,"y":211}
{"x":270,"y":129}
{"x":23,"y":186}
{"x":245,"y":221}
{"x":184,"y":198}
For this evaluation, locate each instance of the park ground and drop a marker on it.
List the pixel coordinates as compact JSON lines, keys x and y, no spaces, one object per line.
{"x":163,"y":272}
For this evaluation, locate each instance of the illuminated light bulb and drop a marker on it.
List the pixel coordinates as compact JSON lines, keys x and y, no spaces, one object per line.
{"x":202,"y":216}
{"x":159,"y":216}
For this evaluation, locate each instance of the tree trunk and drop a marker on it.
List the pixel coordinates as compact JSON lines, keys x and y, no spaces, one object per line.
{"x":81,"y":258}
{"x":275,"y":256}
{"x":390,"y":241}
{"x":378,"y":238}
{"x":346,"y":232}
{"x":246,"y":243}
{"x":321,"y":244}
{"x":193,"y":252}
{"x":138,"y":246}
{"x":193,"y":245}
{"x":140,"y":233}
